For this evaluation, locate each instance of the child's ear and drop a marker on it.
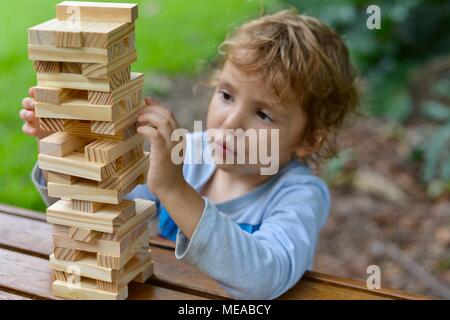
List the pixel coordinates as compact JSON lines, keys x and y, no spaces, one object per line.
{"x":306,"y":148}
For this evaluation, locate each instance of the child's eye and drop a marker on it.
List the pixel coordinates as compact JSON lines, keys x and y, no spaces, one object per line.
{"x":225,"y":96}
{"x":264,"y":116}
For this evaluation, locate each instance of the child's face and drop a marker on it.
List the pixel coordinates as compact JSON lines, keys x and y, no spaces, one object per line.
{"x":241,"y":101}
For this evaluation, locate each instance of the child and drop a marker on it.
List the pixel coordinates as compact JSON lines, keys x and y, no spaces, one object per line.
{"x":255,"y":234}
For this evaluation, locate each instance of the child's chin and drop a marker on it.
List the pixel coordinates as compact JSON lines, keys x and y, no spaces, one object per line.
{"x":239,"y":168}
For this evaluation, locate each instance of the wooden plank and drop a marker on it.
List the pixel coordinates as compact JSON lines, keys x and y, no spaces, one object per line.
{"x":68,"y":39}
{"x":90,"y":191}
{"x":98,"y":11}
{"x":106,"y":151}
{"x":60,"y":144}
{"x":9,"y":296}
{"x":88,"y":34}
{"x":80,"y":55}
{"x":25,"y":274}
{"x":75,"y":164}
{"x":115,"y":126}
{"x":108,"y":219}
{"x":77,"y":109}
{"x":87,"y":267}
{"x":56,"y":177}
{"x":72,"y":67}
{"x":104,"y":71}
{"x":177,"y":274}
{"x":51,"y":125}
{"x":83,"y":235}
{"x":117,"y":95}
{"x":47,"y":66}
{"x":86,"y":206}
{"x":78,"y":81}
{"x":52,"y":95}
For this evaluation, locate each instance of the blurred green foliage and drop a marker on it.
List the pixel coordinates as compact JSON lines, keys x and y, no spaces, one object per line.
{"x":173,"y":36}
{"x":412,"y":33}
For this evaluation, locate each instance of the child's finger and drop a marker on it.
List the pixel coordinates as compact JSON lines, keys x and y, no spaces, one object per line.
{"x":27,"y":115}
{"x":29,"y":130}
{"x":28,"y":103}
{"x":153,"y":135}
{"x":31,"y":92}
{"x":159,"y":122}
{"x":166,"y":113}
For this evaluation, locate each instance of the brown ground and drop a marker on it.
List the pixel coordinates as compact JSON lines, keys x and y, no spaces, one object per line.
{"x":380,"y":212}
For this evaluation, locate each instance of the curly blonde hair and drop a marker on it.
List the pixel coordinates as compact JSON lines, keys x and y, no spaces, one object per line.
{"x":304,"y":62}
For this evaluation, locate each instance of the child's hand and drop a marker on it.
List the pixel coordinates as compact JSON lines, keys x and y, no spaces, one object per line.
{"x":157,"y":123}
{"x":31,"y":125}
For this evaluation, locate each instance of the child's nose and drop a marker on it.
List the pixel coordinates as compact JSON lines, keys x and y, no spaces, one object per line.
{"x":234,"y":120}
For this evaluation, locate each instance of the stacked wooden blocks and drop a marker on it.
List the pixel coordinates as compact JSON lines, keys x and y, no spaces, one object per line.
{"x":89,"y":98}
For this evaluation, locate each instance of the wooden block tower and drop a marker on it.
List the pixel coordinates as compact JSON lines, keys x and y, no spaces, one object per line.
{"x":87,"y":96}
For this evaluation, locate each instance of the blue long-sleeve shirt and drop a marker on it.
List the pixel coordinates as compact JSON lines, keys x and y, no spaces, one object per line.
{"x":258,"y":245}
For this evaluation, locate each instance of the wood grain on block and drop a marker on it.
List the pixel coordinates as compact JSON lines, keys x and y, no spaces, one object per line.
{"x":60,"y":144}
{"x":107,"y":219}
{"x":120,"y":123}
{"x":85,"y":290}
{"x":52,"y":95}
{"x":51,"y":125}
{"x":83,"y":128}
{"x":90,"y":191}
{"x":77,"y":109}
{"x":67,"y":254}
{"x":104,"y":71}
{"x":88,"y":268}
{"x":132,"y":169}
{"x":109,"y":98}
{"x":98,"y":11}
{"x":106,"y":151}
{"x":80,"y":55}
{"x":86,"y":206}
{"x":130,"y":156}
{"x":75,"y":164}
{"x":56,"y":177}
{"x":47,"y":66}
{"x":83,"y":235}
{"x":72,"y":67}
{"x":68,"y":39}
{"x":86,"y":34}
{"x":80,"y":82}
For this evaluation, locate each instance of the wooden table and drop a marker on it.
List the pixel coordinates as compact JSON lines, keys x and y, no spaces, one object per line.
{"x":25,"y":244}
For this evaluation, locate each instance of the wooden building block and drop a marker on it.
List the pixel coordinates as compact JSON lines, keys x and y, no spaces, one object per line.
{"x":90,"y":190}
{"x":108,"y":219}
{"x":53,"y":95}
{"x":98,"y":11}
{"x":79,"y":55}
{"x":115,"y":126}
{"x":72,"y":67}
{"x":80,"y":82}
{"x":60,"y":144}
{"x":86,"y":206}
{"x":86,"y":290}
{"x":47,"y":66}
{"x":75,"y":164}
{"x":77,"y":109}
{"x":51,"y":125}
{"x":83,"y":235}
{"x":106,"y":151}
{"x":67,"y":254}
{"x":109,"y":98}
{"x":86,"y":34}
{"x":68,"y":39}
{"x":83,"y":129}
{"x":56,"y":177}
{"x":104,"y":71}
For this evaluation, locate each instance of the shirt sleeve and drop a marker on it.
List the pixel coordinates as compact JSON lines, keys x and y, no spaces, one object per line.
{"x":265,"y":264}
{"x":41,"y":185}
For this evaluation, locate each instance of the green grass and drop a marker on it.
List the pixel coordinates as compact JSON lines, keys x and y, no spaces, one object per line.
{"x":173,"y":36}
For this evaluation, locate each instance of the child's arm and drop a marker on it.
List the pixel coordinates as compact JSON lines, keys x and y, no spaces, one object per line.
{"x":261,"y":265}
